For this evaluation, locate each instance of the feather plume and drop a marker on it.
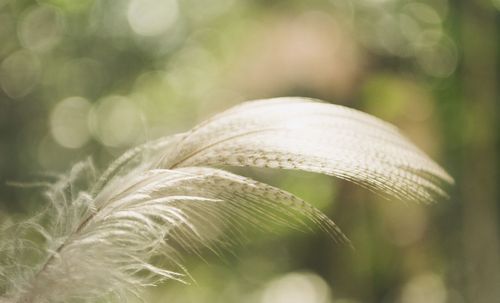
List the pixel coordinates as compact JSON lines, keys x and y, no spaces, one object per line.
{"x":109,"y":235}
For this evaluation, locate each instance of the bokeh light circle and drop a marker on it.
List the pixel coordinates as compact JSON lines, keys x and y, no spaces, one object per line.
{"x":152,"y":17}
{"x":68,"y":122}
{"x":297,"y":288}
{"x":19,"y":73}
{"x":41,"y":28}
{"x":116,"y":121}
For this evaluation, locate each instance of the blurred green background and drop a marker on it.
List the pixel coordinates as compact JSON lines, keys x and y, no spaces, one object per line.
{"x":94,"y":77}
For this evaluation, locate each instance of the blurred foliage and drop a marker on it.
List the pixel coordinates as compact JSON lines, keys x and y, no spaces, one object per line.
{"x":93,"y":77}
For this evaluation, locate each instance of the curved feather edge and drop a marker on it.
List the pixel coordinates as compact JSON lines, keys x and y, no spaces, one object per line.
{"x":297,"y":133}
{"x":161,"y":199}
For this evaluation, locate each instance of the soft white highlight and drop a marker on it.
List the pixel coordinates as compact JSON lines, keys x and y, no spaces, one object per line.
{"x":107,"y":234}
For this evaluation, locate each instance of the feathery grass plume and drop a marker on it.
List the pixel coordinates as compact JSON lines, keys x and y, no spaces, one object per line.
{"x":108,"y":235}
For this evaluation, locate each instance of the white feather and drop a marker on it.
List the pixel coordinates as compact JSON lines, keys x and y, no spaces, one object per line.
{"x":129,"y":227}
